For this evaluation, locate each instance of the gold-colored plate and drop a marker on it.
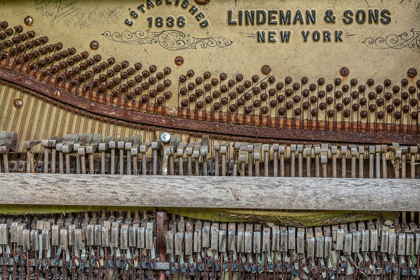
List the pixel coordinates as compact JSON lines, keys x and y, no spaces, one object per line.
{"x":233,"y":49}
{"x":231,"y":70}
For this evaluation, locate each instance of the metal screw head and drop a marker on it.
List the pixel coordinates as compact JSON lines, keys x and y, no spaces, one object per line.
{"x":264,"y":110}
{"x":353,"y":82}
{"x":17,"y":103}
{"x":165,"y":137}
{"x":168,"y":95}
{"x":94,"y":45}
{"x":266,"y":69}
{"x":28,"y":20}
{"x":190,"y":73}
{"x":179,"y":60}
{"x":312,"y":87}
{"x":200,"y":105}
{"x":337,"y":81}
{"x":412,"y":73}
{"x":370,"y":82}
{"x":330,"y":87}
{"x":167,"y":70}
{"x":344,"y":72}
{"x":216,"y":106}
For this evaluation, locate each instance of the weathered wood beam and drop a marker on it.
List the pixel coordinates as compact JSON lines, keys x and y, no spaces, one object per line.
{"x":211,"y":192}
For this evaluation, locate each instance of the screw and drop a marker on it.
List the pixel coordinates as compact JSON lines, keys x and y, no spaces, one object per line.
{"x":17,"y":103}
{"x":412,"y":73}
{"x":28,"y":20}
{"x":266,"y":69}
{"x":179,"y":60}
{"x":344,"y":72}
{"x":94,"y":45}
{"x":370,"y":82}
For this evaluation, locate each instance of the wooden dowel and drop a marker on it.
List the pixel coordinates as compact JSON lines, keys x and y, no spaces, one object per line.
{"x":135,"y":167}
{"x":223,"y":164}
{"x":60,"y":163}
{"x":53,"y":160}
{"x":67,"y":156}
{"x":91,"y":164}
{"x":216,"y":163}
{"x":143,"y":164}
{"x":103,"y":162}
{"x":46,"y":156}
{"x":189,"y":166}
{"x":275,"y":164}
{"x":83,"y":163}
{"x":121,"y":161}
{"x":181,"y":165}
{"x":112,"y":161}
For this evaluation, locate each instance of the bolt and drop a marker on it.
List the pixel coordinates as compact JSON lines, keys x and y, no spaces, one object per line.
{"x":18,"y":29}
{"x":152,"y":68}
{"x":344,"y":72}
{"x":353,"y":82}
{"x":266,"y":69}
{"x":412,"y":73}
{"x":337,"y":81}
{"x":17,"y":103}
{"x":179,"y":60}
{"x":28,"y":20}
{"x":94,"y":45}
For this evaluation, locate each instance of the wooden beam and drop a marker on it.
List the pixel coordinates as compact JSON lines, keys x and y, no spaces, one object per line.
{"x":211,"y":192}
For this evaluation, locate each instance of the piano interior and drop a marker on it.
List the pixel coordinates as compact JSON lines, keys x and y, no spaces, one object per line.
{"x":209,"y":139}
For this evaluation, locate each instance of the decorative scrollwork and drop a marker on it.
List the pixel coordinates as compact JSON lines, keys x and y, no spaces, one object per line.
{"x":172,"y":40}
{"x":393,"y":41}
